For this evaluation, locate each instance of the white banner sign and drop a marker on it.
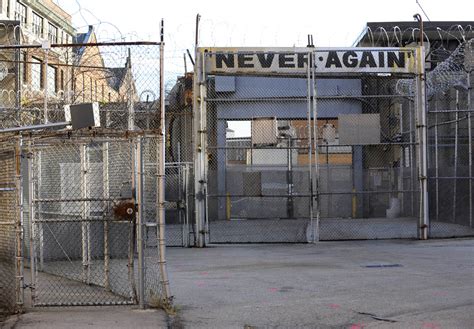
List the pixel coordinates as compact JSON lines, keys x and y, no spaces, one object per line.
{"x":295,"y":60}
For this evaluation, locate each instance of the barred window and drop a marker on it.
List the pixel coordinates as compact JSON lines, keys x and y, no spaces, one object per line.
{"x":52,"y":33}
{"x":37,"y":25}
{"x":20,"y":12}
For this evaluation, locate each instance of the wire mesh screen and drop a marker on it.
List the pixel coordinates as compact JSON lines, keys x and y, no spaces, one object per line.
{"x":123,"y":79}
{"x":368,"y":178}
{"x":9,"y":210}
{"x":84,"y":226}
{"x":294,"y":156}
{"x":259,"y":158}
{"x":86,"y":243}
{"x":451,"y":145}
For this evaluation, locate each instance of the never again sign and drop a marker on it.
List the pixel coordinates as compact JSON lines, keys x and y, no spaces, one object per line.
{"x":284,"y":61}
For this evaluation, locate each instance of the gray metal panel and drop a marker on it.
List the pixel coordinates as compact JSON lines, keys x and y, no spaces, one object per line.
{"x":359,"y":129}
{"x":225,"y":84}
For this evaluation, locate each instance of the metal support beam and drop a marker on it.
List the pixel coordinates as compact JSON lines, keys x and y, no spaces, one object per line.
{"x":422,"y":150}
{"x":200,"y":149}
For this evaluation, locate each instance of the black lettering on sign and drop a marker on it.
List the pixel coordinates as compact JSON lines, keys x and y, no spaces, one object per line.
{"x":245,"y":60}
{"x":303,"y":60}
{"x":350,"y":59}
{"x":393,"y":59}
{"x":228,"y":59}
{"x":286,"y":60}
{"x":367,"y":59}
{"x":333,"y":59}
{"x":381,"y":59}
{"x":266,"y":60}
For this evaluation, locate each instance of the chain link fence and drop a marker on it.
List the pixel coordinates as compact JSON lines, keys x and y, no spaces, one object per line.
{"x":94,"y":232}
{"x":259,"y":157}
{"x":11,"y":266}
{"x":451,"y":144}
{"x":92,"y":214}
{"x":368,"y":185}
{"x":297,"y":155}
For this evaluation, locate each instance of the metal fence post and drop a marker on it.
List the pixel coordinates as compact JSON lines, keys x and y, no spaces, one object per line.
{"x":469,"y":134}
{"x":140,"y":221}
{"x":85,"y":229}
{"x":161,"y":159}
{"x":316,"y":179}
{"x":106,"y":194}
{"x":31,"y":214}
{"x":19,"y":225}
{"x":200,"y":148}
{"x":423,"y":225}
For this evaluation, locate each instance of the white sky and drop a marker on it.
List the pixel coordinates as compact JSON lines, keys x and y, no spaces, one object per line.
{"x":272,"y":23}
{"x":334,"y":23}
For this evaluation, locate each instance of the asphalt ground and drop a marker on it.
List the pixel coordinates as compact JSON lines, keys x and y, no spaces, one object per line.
{"x":358,"y":284}
{"x":349,"y":284}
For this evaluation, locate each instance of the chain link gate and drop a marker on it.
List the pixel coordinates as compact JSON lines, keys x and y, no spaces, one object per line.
{"x":259,"y":186}
{"x":329,"y":151}
{"x":92,"y":225}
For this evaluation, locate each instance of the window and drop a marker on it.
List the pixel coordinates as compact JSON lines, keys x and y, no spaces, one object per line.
{"x":20,"y":12}
{"x":51,"y":80}
{"x":36,"y":76}
{"x":23,"y":67}
{"x":37,"y":25}
{"x":52,"y":33}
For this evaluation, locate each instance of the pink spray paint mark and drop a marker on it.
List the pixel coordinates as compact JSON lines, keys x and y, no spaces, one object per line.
{"x":357,"y":326}
{"x":273,"y":289}
{"x":334,"y":306}
{"x":204,"y":273}
{"x":431,"y":325}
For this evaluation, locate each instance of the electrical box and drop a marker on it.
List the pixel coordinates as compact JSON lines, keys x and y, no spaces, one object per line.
{"x":83,"y":115}
{"x":359,"y":129}
{"x":264,"y":131}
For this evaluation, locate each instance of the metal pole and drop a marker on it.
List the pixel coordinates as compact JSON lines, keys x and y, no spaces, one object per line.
{"x":456,"y":147}
{"x":19,"y":226}
{"x":436,"y":162}
{"x":40,"y":225}
{"x":161,"y":159}
{"x":424,"y":223}
{"x":310,"y":147}
{"x":132,"y":228}
{"x":469,"y":127}
{"x":84,"y":215}
{"x":140,"y":222}
{"x":31,"y":214}
{"x":131,"y":110}
{"x":106,"y":193}
{"x":411,"y":153}
{"x":316,"y":197}
{"x":200,"y":147}
{"x":45,"y":81}
{"x":186,"y":196}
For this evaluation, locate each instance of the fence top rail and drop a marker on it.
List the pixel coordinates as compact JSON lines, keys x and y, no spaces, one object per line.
{"x":75,"y":45}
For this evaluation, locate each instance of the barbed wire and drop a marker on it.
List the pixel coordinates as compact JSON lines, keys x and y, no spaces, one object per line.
{"x":450,"y":73}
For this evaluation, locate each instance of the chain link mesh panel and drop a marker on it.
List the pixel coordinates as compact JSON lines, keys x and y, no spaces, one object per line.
{"x":273,"y":151}
{"x":259,"y":158}
{"x":123,"y":79}
{"x":451,"y":156}
{"x":368,"y":177}
{"x":8,"y":222}
{"x":84,"y":224}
